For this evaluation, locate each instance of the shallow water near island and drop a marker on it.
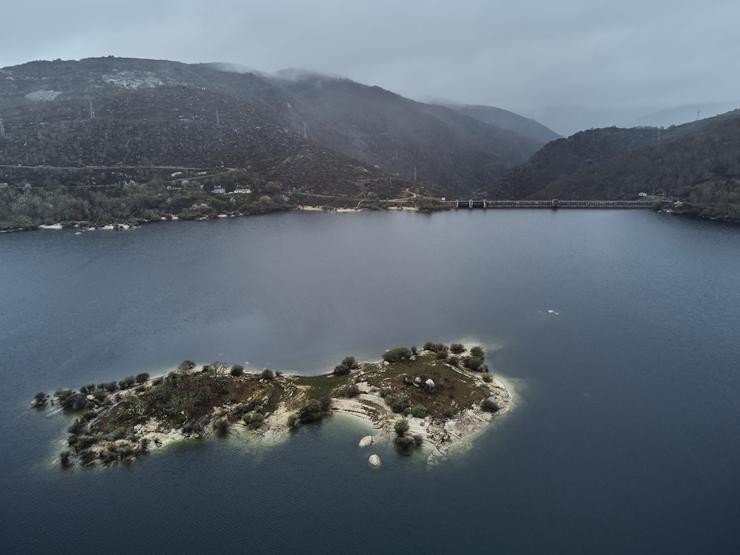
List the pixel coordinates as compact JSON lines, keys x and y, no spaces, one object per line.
{"x":623,"y":438}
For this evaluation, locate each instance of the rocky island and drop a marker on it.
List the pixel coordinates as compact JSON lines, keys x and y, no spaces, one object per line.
{"x":425,"y":399}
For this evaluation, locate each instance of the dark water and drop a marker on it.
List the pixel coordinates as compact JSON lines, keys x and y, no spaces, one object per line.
{"x":625,"y":437}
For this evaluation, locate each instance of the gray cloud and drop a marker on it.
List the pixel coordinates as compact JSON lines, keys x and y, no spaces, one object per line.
{"x":526,"y":55}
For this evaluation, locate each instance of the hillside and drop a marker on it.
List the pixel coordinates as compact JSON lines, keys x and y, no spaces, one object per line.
{"x":115,"y":112}
{"x":309,"y":133}
{"x":696,"y":163}
{"x":459,"y":153}
{"x":504,"y":119}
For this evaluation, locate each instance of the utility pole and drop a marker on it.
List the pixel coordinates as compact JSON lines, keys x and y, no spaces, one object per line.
{"x":414,"y":174}
{"x":218,"y":118}
{"x":2,"y":128}
{"x":305,"y":130}
{"x":90,"y":106}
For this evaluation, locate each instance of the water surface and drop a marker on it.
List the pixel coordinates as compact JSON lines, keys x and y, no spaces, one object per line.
{"x":624,"y":439}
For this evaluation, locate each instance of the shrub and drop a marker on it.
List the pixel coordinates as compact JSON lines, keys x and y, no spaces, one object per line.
{"x":186,"y":366}
{"x":350,"y":362}
{"x":457,"y":348}
{"x":40,"y":400}
{"x":341,"y":370}
{"x":489,"y":405}
{"x":397,"y":403}
{"x":64,"y":458}
{"x":142,"y":377}
{"x":487,"y":379}
{"x":293,"y":421}
{"x":126,"y":382}
{"x":414,"y":350}
{"x":76,"y":427}
{"x":157,"y":381}
{"x":221,"y":426}
{"x":314,"y":410}
{"x":419,"y":411}
{"x":254,"y":420}
{"x":418,"y":440}
{"x":72,"y":400}
{"x":473,"y":363}
{"x":398,"y":354}
{"x":441,"y":355}
{"x":87,"y":457}
{"x":404,"y":445}
{"x":435,"y":347}
{"x":267,"y":374}
{"x":477,"y":352}
{"x":237,"y":370}
{"x":352,"y":390}
{"x":453,"y":361}
{"x":401,"y":427}
{"x":110,"y":386}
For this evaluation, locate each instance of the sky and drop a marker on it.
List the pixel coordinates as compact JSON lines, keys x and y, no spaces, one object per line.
{"x":604,"y":60}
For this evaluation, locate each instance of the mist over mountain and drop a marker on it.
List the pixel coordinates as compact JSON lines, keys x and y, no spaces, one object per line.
{"x":504,"y":119}
{"x":312,"y":132}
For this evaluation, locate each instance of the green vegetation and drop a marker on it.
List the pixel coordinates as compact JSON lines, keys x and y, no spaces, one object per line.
{"x":457,"y":348}
{"x":397,"y":354}
{"x":352,"y":390}
{"x":314,"y":410}
{"x":221,"y":426}
{"x":118,"y":421}
{"x":347,"y":365}
{"x":186,"y":366}
{"x":254,"y":420}
{"x":401,"y":427}
{"x":40,"y":400}
{"x":489,"y":405}
{"x":477,"y":352}
{"x":419,"y":411}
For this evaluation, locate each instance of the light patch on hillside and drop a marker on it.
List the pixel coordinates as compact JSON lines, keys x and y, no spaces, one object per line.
{"x":133,"y":79}
{"x":43,"y":95}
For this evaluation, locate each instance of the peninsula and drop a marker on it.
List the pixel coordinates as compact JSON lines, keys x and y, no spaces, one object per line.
{"x":425,"y":399}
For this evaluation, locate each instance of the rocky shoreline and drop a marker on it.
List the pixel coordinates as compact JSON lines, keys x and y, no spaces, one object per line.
{"x":416,"y":397}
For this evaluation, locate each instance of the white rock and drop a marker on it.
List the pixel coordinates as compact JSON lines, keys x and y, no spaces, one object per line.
{"x":429,"y":383}
{"x":366,"y":441}
{"x":374,"y":461}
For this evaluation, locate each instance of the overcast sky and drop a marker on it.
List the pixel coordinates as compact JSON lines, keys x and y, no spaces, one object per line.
{"x":520,"y":54}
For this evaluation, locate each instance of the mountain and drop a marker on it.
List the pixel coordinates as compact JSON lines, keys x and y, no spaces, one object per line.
{"x":307,"y":132}
{"x":128,"y":112}
{"x":696,"y":163}
{"x":679,"y":115}
{"x":436,"y":143}
{"x":504,"y":119}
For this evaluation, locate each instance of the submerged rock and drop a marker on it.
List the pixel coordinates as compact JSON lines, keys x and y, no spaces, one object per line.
{"x":374,"y":460}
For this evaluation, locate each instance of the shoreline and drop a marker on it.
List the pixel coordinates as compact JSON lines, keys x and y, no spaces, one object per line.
{"x":459,"y":403}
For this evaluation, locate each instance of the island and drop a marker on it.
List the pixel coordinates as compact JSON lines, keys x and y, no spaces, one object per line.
{"x":428,"y":399}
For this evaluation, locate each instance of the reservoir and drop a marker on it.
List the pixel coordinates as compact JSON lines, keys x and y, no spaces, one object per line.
{"x":619,"y":331}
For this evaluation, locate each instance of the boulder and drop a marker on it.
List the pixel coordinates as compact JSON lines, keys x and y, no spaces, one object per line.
{"x":429,"y":384}
{"x":366,"y":441}
{"x":374,"y":461}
